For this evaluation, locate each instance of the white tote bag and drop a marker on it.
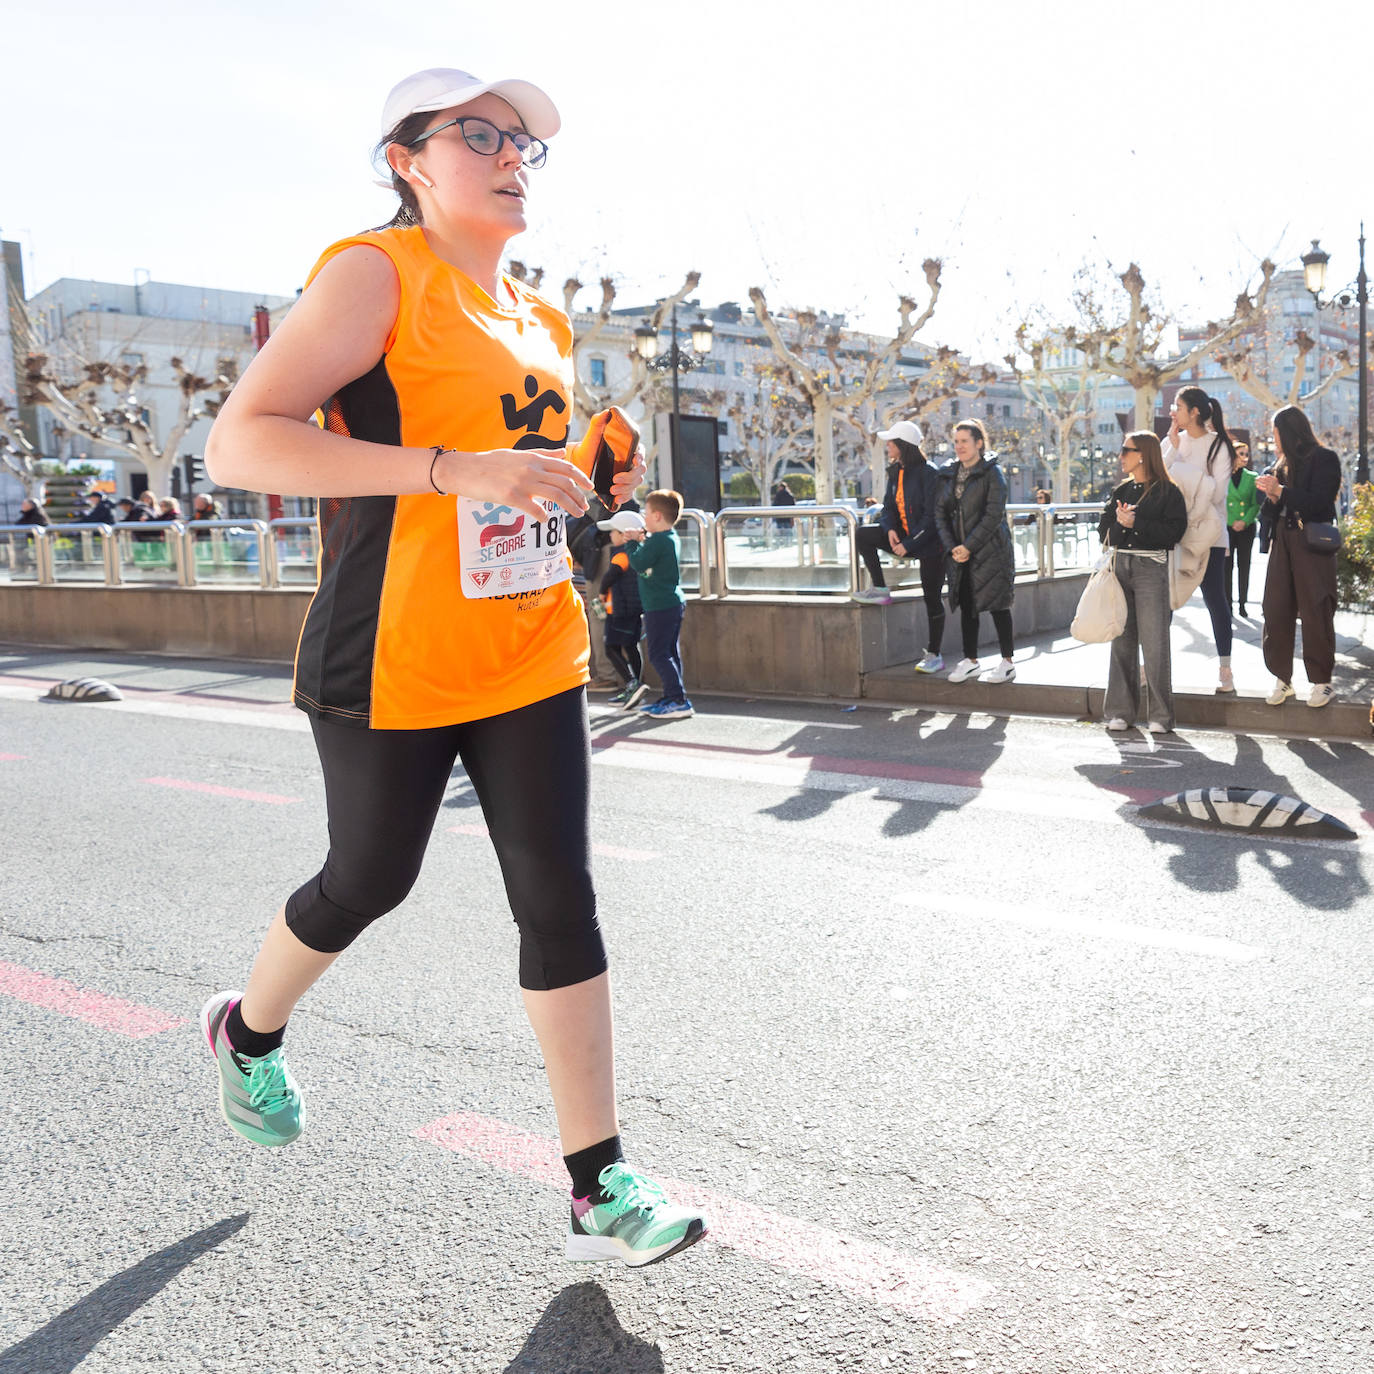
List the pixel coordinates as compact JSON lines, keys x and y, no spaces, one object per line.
{"x":1101,"y":614}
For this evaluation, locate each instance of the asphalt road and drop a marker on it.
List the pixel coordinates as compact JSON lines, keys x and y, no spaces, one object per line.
{"x":978,"y":1072}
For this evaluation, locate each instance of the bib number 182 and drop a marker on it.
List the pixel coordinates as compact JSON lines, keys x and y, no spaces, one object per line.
{"x":547,"y":533}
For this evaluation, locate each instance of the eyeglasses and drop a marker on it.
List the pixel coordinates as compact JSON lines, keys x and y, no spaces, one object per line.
{"x":1126,"y":448}
{"x":482,"y":136}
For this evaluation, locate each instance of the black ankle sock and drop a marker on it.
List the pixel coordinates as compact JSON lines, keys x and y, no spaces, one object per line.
{"x":252,"y":1043}
{"x":586,"y":1165}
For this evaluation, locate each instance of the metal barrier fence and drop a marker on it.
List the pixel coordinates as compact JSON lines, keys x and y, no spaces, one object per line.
{"x":740,"y":550}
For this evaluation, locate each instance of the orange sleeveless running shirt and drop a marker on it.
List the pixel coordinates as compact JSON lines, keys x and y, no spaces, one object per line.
{"x":405,"y":632}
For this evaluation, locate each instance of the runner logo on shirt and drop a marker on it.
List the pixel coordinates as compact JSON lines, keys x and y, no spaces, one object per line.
{"x":531,"y":416}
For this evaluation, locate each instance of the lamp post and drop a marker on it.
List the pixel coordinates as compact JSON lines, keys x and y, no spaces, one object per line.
{"x":676,"y":361}
{"x":1090,"y":456}
{"x":1314,"y":278}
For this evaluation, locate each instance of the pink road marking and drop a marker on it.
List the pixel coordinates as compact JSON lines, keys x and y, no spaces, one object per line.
{"x":13,"y":758}
{"x":870,"y":1272}
{"x":216,"y":791}
{"x":606,"y":851}
{"x":85,"y":1004}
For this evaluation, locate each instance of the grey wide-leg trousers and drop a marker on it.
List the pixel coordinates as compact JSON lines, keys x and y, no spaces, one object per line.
{"x":1146,"y":584}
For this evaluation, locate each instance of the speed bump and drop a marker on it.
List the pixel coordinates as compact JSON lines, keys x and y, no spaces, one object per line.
{"x":1249,"y":809}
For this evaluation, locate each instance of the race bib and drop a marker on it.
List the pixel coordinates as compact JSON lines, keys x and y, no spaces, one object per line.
{"x":502,"y":550}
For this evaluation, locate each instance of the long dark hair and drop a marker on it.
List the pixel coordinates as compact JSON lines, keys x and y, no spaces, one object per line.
{"x":1147,"y":445}
{"x":1196,"y":398}
{"x":908,"y":453}
{"x":975,"y":428}
{"x":1295,"y":437}
{"x":404,"y":133}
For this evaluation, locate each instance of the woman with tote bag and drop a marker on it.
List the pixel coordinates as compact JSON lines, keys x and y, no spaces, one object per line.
{"x":1144,"y":518}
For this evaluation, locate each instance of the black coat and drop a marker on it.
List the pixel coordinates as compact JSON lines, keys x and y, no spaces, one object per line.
{"x":1161,"y":517}
{"x":100,"y":514}
{"x":920,"y":491}
{"x":36,"y":516}
{"x":979,"y":522}
{"x":1311,"y":485}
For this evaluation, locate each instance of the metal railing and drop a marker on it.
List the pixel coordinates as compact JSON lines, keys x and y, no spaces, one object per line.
{"x":761,"y":550}
{"x":786,"y":550}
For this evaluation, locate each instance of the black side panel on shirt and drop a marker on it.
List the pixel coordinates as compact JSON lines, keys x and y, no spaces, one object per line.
{"x":334,"y":660}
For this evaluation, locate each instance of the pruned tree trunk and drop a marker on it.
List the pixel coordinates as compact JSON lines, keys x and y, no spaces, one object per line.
{"x":1240,"y":364}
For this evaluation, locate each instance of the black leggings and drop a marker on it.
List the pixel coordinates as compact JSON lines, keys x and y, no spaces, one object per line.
{"x":968,"y":620}
{"x":1242,"y":544}
{"x":874,"y":537}
{"x":531,"y":770}
{"x":626,"y":660}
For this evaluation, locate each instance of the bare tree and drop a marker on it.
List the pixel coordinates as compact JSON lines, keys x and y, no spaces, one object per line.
{"x":17,"y":452}
{"x":1064,"y":394}
{"x":1240,"y":363}
{"x":100,"y":400}
{"x":587,"y":398}
{"x":772,"y":424}
{"x":835,"y":388}
{"x":1129,"y":348}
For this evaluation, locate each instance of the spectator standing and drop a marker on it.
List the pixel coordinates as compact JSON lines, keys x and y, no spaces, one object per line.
{"x":1143,"y":519}
{"x":1198,"y":440}
{"x":782,"y":496}
{"x":31,"y":512}
{"x":653,"y":554}
{"x":169,"y":508}
{"x":624,"y":623}
{"x":131,"y":512}
{"x":148,"y":501}
{"x":1299,"y":582}
{"x":971,"y":516}
{"x":205,"y":507}
{"x":98,"y":511}
{"x":1242,"y":517}
{"x":906,"y":529}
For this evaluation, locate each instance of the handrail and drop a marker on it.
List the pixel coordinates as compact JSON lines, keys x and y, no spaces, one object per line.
{"x":704,"y":521}
{"x":128,"y":530}
{"x":42,"y":569}
{"x":813,"y":514}
{"x":311,"y":522}
{"x":258,"y":528}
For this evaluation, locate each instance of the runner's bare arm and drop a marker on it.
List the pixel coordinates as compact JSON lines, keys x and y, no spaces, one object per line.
{"x":263,"y":438}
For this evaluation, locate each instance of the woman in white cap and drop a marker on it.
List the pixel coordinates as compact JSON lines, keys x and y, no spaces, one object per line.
{"x":906,"y":529}
{"x":445,"y":627}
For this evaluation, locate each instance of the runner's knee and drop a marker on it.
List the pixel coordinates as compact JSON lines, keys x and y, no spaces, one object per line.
{"x":330,"y":923}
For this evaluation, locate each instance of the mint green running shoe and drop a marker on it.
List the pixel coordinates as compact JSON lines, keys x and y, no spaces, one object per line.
{"x":637,"y":1225}
{"x":257,"y":1097}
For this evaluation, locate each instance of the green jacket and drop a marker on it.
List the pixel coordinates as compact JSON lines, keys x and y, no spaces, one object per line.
{"x":1242,"y":502}
{"x":655,"y":560}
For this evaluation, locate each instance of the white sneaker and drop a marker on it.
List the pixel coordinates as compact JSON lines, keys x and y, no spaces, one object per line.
{"x":1116,"y":723}
{"x":1003,"y":672}
{"x":1282,"y":691}
{"x":1321,"y":693}
{"x":1157,"y":728}
{"x":965,"y":669}
{"x":931,"y":663}
{"x":880,"y":596}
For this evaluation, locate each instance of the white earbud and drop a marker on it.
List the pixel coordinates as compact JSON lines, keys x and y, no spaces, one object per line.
{"x":422,"y":178}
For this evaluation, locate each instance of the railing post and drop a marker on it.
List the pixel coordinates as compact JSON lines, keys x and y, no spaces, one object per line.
{"x":44,"y":570}
{"x":109,"y":552}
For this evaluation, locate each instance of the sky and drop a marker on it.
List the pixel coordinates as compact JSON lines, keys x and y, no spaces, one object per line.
{"x":820,"y":151}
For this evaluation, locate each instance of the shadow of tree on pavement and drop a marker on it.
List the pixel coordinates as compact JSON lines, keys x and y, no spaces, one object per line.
{"x":61,"y":1344}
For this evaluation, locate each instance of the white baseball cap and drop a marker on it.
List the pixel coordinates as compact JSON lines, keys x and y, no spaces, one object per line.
{"x":439,"y":88}
{"x":624,"y":521}
{"x":903,"y":429}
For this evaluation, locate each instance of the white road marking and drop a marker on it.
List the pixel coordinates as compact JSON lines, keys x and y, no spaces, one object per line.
{"x":1043,"y":918}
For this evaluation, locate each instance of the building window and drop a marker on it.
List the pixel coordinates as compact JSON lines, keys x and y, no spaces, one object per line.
{"x":992,"y":410}
{"x":598,"y":372}
{"x":954,"y":409}
{"x":739,"y":368}
{"x":131,"y":359}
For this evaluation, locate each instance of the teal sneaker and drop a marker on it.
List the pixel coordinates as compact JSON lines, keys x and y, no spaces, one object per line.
{"x":257,"y":1097}
{"x":637,"y":1225}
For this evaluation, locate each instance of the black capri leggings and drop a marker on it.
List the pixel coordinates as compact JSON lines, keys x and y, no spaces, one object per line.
{"x":531,"y":770}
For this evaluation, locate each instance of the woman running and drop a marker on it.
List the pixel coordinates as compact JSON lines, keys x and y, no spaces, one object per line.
{"x":445,"y":625}
{"x":1209,"y":452}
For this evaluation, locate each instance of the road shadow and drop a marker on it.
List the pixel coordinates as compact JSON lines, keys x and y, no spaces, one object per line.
{"x":965,"y":744}
{"x":579,"y":1333}
{"x":1324,"y":879}
{"x":61,"y":1344}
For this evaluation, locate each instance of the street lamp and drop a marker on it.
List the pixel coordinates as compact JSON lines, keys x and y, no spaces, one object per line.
{"x":676,"y":361}
{"x":1314,"y":278}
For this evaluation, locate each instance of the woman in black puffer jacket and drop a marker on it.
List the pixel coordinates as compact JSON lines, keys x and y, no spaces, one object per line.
{"x":971,"y":517}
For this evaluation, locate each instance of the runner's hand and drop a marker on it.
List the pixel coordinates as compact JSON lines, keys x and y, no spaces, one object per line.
{"x":624,"y":485}
{"x":514,"y":477}
{"x":959,"y":554}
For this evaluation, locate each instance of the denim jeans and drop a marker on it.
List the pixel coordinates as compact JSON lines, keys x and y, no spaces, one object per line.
{"x":661,"y":629}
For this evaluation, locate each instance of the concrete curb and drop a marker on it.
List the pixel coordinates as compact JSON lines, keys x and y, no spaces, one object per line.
{"x":1239,"y":715}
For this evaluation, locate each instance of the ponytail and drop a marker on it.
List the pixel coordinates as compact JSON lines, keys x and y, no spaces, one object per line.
{"x":1221,"y":439}
{"x":1195,"y":398}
